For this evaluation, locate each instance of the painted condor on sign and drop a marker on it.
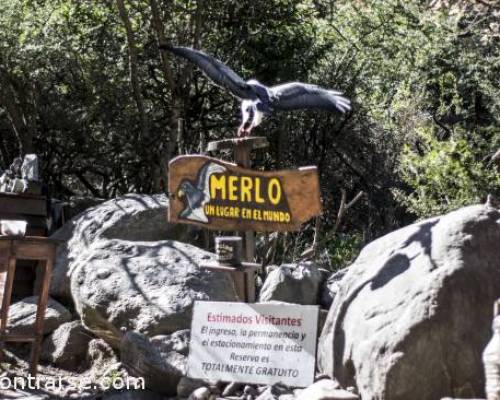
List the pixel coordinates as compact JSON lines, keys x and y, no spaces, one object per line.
{"x":220,"y":195}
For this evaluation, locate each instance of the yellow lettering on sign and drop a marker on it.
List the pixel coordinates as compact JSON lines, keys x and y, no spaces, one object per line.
{"x":258,"y":197}
{"x":218,"y":184}
{"x":246,"y":187}
{"x":232,"y":188}
{"x":274,"y":191}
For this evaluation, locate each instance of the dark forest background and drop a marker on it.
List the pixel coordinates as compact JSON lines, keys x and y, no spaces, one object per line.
{"x":84,"y":85}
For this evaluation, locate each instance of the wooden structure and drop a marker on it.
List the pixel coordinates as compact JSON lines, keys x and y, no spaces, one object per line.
{"x":226,"y":196}
{"x":30,"y":208}
{"x":228,"y":250}
{"x":219,"y":195}
{"x":12,"y":249}
{"x":33,"y":210}
{"x":242,"y":151}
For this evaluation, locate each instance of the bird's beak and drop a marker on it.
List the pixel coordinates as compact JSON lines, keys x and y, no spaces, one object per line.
{"x":181,"y":193}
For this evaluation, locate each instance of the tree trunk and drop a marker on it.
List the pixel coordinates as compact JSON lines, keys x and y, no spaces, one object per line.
{"x":133,"y":67}
{"x":168,"y":76}
{"x":17,"y":117}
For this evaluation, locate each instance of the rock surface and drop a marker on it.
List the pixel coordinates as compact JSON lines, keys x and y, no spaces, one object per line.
{"x":67,"y":346}
{"x":22,"y":316}
{"x":177,"y":341}
{"x":293,"y":283}
{"x":202,"y":393}
{"x":161,"y":370}
{"x":413,"y":313}
{"x":134,"y":217}
{"x":187,"y":385}
{"x":101,"y":357}
{"x":134,"y":395}
{"x":325,"y":389}
{"x":149,"y":287}
{"x":330,"y":288}
{"x":121,"y":273}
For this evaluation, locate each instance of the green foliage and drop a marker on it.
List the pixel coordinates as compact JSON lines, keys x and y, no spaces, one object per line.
{"x":448,"y":175}
{"x":342,"y":249}
{"x":424,"y":80}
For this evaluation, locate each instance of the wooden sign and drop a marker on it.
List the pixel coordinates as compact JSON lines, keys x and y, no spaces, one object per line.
{"x":253,"y":343}
{"x":220,"y":195}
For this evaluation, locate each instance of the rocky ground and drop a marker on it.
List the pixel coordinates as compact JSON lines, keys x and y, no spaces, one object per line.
{"x":407,"y":320}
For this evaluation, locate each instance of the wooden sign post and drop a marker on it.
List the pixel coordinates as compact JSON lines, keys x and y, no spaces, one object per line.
{"x":219,"y":195}
{"x":242,"y":149}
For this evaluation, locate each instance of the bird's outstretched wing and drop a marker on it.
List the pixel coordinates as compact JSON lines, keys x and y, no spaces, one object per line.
{"x":204,"y":176}
{"x":218,"y":72}
{"x":298,"y":95}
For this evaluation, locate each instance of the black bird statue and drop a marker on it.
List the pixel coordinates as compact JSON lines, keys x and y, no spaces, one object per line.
{"x":197,"y":194}
{"x":258,"y":100}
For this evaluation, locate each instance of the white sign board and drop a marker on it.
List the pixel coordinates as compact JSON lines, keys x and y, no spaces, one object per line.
{"x":253,"y":343}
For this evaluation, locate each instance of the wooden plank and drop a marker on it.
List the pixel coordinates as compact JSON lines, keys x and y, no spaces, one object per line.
{"x":40,"y":314}
{"x":32,"y":250}
{"x":7,"y":294}
{"x":17,"y":338}
{"x":219,"y":195}
{"x":23,"y":204}
{"x":249,"y":142}
{"x":30,"y":239}
{"x":242,"y":159}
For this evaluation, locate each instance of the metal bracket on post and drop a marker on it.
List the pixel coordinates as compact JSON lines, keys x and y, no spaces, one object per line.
{"x":242,"y":149}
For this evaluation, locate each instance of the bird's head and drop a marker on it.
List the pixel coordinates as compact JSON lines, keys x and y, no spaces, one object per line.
{"x":186,"y":188}
{"x":251,"y":115}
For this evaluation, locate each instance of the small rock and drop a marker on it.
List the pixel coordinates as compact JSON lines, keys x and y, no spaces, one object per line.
{"x":101,"y":357}
{"x":267,"y":395}
{"x":67,"y":346}
{"x":231,"y":389}
{"x":24,"y":395}
{"x":250,"y":390}
{"x":161,"y":370}
{"x":326,"y":389}
{"x":262,"y":389}
{"x":293,"y":283}
{"x":177,"y":341}
{"x":187,"y":385}
{"x":133,"y":395}
{"x":202,"y":393}
{"x":22,"y":316}
{"x":215,"y":387}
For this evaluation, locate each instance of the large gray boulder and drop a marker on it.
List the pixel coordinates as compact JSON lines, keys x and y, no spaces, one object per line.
{"x":133,"y":217}
{"x":293,"y":283}
{"x":121,"y":271}
{"x":22,"y":316}
{"x":148,"y":287}
{"x":413,"y":313}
